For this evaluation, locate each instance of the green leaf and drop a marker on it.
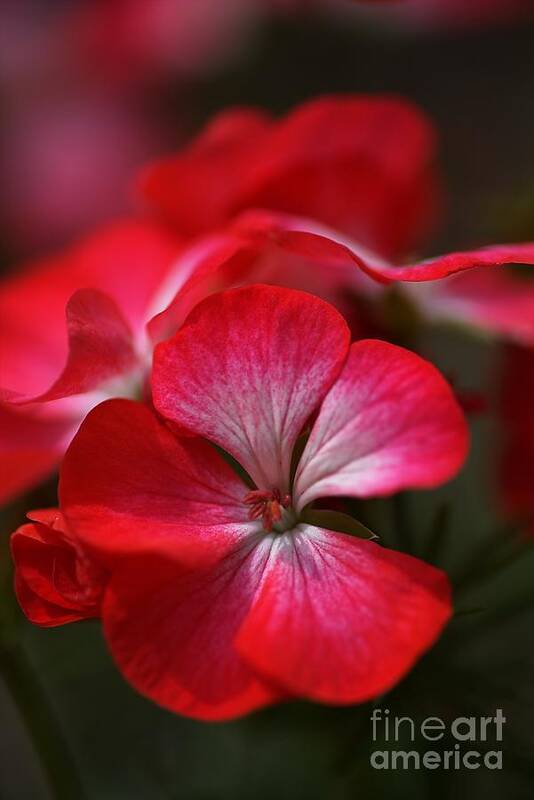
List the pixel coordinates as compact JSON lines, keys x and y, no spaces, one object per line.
{"x":337,"y":521}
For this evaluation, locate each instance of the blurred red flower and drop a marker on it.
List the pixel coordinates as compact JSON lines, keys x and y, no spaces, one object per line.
{"x":347,"y":181}
{"x":140,"y":40}
{"x":67,"y":163}
{"x":71,"y":139}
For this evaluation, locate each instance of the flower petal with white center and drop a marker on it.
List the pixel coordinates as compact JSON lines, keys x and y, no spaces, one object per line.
{"x":390,"y":422}
{"x":247,"y":370}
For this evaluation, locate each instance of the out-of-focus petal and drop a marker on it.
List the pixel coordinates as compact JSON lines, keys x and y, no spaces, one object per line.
{"x":260,"y":240}
{"x":68,"y":153}
{"x":495,"y":301}
{"x":30,"y":448}
{"x":127,"y":261}
{"x":100,"y":348}
{"x":135,"y":41}
{"x":196,"y":190}
{"x":261,"y":247}
{"x":361,"y":164}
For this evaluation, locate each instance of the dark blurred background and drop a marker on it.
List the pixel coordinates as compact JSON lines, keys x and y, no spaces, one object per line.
{"x":84,"y":103}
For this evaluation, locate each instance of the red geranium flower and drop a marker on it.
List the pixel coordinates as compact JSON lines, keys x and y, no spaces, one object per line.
{"x":224,"y":595}
{"x":343,"y":178}
{"x":52,"y":372}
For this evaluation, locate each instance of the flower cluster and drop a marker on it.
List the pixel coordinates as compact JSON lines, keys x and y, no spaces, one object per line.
{"x":207,"y":382}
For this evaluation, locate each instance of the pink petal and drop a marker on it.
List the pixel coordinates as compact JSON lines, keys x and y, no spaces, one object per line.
{"x":247,"y":370}
{"x":129,"y":485}
{"x":389,"y":422}
{"x":495,"y":301}
{"x":171,"y":633}
{"x":339,"y":619}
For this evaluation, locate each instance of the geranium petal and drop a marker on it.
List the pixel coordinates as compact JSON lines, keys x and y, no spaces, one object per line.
{"x":30,"y":448}
{"x":300,"y":253}
{"x":213,"y":264}
{"x":128,"y":485}
{"x":171,"y":633}
{"x":197,"y":189}
{"x":390,"y":422}
{"x":246,"y":371}
{"x":362,"y":164}
{"x":495,"y":301}
{"x":127,"y":260}
{"x":100,"y":348}
{"x":339,"y":619}
{"x":439,"y":267}
{"x":274,"y":249}
{"x":319,"y":243}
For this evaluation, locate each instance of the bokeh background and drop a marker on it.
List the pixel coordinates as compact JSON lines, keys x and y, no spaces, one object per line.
{"x":88,"y":92}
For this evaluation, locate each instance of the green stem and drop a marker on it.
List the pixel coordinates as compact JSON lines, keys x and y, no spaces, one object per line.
{"x":40,"y":722}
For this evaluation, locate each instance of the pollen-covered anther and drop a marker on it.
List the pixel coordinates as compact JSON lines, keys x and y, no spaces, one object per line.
{"x":267,"y":505}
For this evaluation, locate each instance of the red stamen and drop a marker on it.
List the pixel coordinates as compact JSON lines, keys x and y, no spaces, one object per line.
{"x":267,"y":505}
